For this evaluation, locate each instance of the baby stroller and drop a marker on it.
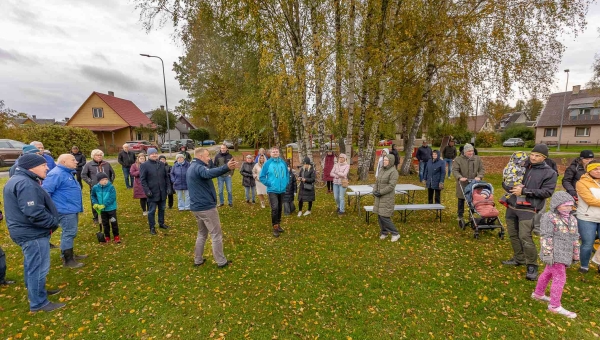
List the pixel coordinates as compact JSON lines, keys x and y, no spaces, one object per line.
{"x":482,"y":211}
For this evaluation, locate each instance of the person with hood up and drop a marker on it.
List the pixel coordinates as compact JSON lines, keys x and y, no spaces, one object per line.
{"x":384,"y":152}
{"x":80,"y":157}
{"x":178,"y":178}
{"x":329,"y":162}
{"x":588,"y":212}
{"x":306,"y":193}
{"x":467,"y":166}
{"x":274,"y":175}
{"x":384,"y":191}
{"x":559,"y":245}
{"x":424,"y":154}
{"x":394,"y":152}
{"x":575,"y":171}
{"x":92,"y":169}
{"x":340,"y":173}
{"x":248,"y":181}
{"x":221,"y":159}
{"x":183,"y":151}
{"x":435,"y":172}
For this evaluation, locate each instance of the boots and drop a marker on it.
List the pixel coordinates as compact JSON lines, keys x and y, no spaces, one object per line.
{"x":275,"y":231}
{"x":279,"y":228}
{"x":532,"y":272}
{"x":69,"y":260}
{"x":152,"y":231}
{"x":80,"y":256}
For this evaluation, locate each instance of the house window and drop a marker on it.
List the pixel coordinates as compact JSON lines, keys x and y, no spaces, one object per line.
{"x":552,"y":132}
{"x":139,"y":136}
{"x":98,"y":112}
{"x":151,"y":137}
{"x":584,"y":111}
{"x":582,"y":131}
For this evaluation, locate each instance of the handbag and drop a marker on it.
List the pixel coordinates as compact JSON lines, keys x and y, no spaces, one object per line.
{"x":596,"y":258}
{"x":345,"y":183}
{"x":308,"y":186}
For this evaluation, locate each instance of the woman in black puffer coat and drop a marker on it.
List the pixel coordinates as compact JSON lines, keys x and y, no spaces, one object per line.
{"x":307,"y":187}
{"x":290,"y":193}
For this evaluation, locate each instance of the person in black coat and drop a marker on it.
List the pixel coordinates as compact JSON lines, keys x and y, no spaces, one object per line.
{"x":127,"y":158}
{"x":575,"y":170}
{"x":248,"y":181}
{"x":394,"y":152}
{"x":290,"y":193}
{"x":307,"y":186}
{"x":423,"y":156}
{"x":163,"y":160}
{"x":154,"y":177}
{"x":80,"y":158}
{"x":435,"y":172}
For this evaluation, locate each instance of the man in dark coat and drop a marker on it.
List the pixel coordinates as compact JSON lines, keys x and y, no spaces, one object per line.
{"x":154,"y":177}
{"x":449,"y":153}
{"x":221,"y":159}
{"x":126,"y":159}
{"x":31,"y":217}
{"x":423,"y":155}
{"x":575,"y":170}
{"x":80,"y":158}
{"x":538,"y":184}
{"x":394,"y":152}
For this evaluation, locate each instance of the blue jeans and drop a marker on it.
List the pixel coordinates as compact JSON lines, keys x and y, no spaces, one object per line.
{"x":36,"y":265}
{"x":128,"y":177}
{"x":587,"y":231}
{"x":449,"y":166}
{"x":68,"y":223}
{"x":422,"y":170}
{"x":183,"y":199}
{"x":152,"y":207}
{"x":338,"y":193}
{"x":227,"y":180}
{"x":248,"y":190}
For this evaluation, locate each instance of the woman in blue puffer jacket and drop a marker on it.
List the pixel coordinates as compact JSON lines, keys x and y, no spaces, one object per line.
{"x":178,"y":173}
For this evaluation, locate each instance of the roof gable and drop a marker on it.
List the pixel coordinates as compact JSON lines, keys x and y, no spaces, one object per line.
{"x":558,"y":103}
{"x":126,"y":109}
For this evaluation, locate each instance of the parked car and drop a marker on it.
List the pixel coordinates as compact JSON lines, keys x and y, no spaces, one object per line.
{"x":10,"y":150}
{"x":295,"y":145}
{"x":209,"y":142}
{"x":386,"y":142}
{"x":174,"y":146}
{"x":140,"y":145}
{"x":227,"y":143}
{"x":189,"y":143}
{"x":513,"y":142}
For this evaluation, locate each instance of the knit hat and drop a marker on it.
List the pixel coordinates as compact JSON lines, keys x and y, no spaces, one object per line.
{"x":593,"y":165}
{"x":468,"y":147}
{"x":343,"y":155}
{"x":30,"y":160}
{"x":586,"y":154}
{"x":30,"y":149}
{"x":162,"y":157}
{"x":177,"y":156}
{"x":542,"y":149}
{"x":306,"y":160}
{"x":100,"y":176}
{"x":559,"y":198}
{"x":152,"y":151}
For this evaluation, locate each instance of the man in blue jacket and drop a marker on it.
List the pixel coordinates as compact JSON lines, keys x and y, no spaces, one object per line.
{"x":203,"y":204}
{"x":275,"y":176}
{"x":49,"y":159}
{"x":65,"y":192}
{"x":31,"y":217}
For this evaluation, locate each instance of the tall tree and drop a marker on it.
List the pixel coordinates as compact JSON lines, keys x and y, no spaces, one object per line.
{"x":159,"y":117}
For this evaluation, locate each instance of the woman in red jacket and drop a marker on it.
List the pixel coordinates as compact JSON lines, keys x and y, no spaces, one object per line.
{"x":138,"y":190}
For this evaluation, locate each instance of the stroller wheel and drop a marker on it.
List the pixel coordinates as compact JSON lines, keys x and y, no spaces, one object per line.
{"x":476,"y":236}
{"x":461,"y":223}
{"x":501,"y":235}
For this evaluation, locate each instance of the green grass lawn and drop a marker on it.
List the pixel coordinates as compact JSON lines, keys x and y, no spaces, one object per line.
{"x":325,"y":277}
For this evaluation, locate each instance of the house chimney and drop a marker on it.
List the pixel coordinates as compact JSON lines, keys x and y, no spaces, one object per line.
{"x":162,"y":107}
{"x":111,"y":93}
{"x":576,"y":89}
{"x":34,"y":117}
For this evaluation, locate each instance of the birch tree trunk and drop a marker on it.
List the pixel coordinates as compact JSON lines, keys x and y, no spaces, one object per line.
{"x":337,"y":92}
{"x":319,"y":79}
{"x":275,"y":126}
{"x":351,"y":80}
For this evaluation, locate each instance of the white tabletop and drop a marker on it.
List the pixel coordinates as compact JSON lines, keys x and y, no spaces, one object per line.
{"x":408,"y":187}
{"x":367,"y":189}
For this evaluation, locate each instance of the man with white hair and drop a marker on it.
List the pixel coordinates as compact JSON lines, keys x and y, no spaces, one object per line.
{"x":92,"y":169}
{"x":466,"y":167}
{"x":49,"y":159}
{"x":126,"y":159}
{"x":65,"y":192}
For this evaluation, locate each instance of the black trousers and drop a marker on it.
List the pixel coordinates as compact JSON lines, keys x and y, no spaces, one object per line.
{"x":144,"y":204}
{"x":276,"y":202}
{"x":107,"y":216}
{"x":329,"y":185}
{"x":78,"y":176}
{"x":170,"y":201}
{"x":300,"y":203}
{"x":461,"y":207}
{"x":431,"y":193}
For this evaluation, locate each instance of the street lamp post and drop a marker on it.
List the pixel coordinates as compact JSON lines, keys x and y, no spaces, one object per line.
{"x":166,"y":105}
{"x":562,"y":112}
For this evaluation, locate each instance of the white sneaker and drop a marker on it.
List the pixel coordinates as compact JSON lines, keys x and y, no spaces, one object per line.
{"x":543,"y":298}
{"x":395,"y":238}
{"x":262,"y":205}
{"x":560,"y":310}
{"x":307,"y":213}
{"x":299,"y":213}
{"x":382,"y":237}
{"x":145,"y":213}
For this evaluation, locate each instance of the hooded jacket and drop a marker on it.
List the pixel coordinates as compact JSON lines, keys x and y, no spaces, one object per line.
{"x":469,"y":168}
{"x":105,"y":195}
{"x":572,"y":175}
{"x":29,"y":211}
{"x":92,"y":168}
{"x":64,"y":190}
{"x":435,"y":171}
{"x":385,"y":184}
{"x":539,"y":181}
{"x":178,"y":175}
{"x":559,"y":242}
{"x":291,"y":189}
{"x":200,"y":184}
{"x":305,"y":195}
{"x":588,"y":206}
{"x":247,"y":176}
{"x":275,"y":175}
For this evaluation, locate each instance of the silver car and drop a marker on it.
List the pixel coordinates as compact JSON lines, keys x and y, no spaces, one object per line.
{"x":513,"y":142}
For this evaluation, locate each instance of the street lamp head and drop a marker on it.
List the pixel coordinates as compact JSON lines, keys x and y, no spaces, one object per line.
{"x":567,"y":70}
{"x":144,"y":55}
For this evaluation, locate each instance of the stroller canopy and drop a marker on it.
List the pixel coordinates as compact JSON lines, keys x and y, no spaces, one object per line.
{"x":473,"y":185}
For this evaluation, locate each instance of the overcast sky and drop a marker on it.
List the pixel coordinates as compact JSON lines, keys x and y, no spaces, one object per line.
{"x":54,"y":53}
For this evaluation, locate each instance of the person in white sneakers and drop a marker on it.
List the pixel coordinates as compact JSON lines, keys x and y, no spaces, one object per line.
{"x":307,"y":187}
{"x":384,"y":191}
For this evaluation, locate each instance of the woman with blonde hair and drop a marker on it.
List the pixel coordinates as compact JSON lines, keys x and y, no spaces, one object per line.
{"x":138,"y":190}
{"x":261,"y":189}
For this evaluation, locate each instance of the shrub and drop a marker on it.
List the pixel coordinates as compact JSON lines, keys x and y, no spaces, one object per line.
{"x":486,"y":139}
{"x":519,"y":131}
{"x":57,"y":138}
{"x":530,"y":144}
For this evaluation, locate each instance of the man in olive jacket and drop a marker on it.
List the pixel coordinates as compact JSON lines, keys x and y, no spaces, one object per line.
{"x":467,"y":166}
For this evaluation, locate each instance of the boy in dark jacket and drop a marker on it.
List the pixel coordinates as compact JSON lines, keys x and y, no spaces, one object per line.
{"x":104,"y":198}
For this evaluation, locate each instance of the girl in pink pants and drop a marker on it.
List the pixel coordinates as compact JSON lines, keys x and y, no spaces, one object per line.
{"x":559,"y":249}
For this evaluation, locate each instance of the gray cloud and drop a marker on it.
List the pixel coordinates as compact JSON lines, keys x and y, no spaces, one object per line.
{"x":23,"y":16}
{"x":14,"y":56}
{"x":117,"y":79}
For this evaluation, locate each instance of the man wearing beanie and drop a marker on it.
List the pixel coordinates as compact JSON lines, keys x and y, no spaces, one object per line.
{"x":275,"y":176}
{"x":575,"y":170}
{"x":467,"y":166}
{"x":154,"y":178}
{"x":538,"y":184}
{"x":26,"y":149}
{"x":31,"y":217}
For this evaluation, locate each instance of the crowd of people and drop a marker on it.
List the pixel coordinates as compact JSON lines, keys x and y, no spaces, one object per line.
{"x":38,"y":200}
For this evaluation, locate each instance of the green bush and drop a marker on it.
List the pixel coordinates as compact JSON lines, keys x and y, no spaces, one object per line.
{"x":57,"y":138}
{"x":437,"y":132}
{"x":486,"y":139}
{"x":530,"y":144}
{"x":519,"y":131}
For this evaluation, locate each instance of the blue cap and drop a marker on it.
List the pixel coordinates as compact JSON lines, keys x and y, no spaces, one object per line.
{"x":30,"y":149}
{"x":151,"y":151}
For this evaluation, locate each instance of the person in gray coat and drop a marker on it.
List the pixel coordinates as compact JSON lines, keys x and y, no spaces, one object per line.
{"x":384,"y":191}
{"x":559,"y":245}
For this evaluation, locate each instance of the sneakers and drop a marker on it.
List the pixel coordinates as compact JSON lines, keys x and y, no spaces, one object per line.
{"x":107,"y":239}
{"x":201,"y":263}
{"x":382,"y":236}
{"x":279,"y":228}
{"x":275,"y":231}
{"x":541,"y":298}
{"x":164,"y":226}
{"x":560,"y":310}
{"x":262,"y":205}
{"x":532,"y":272}
{"x":117,"y":239}
{"x":224,"y":264}
{"x":307,"y":213}
{"x":145,"y":213}
{"x":299,"y":213}
{"x":49,"y":307}
{"x":512,"y":262}
{"x":395,"y":238}
{"x":583,"y":270}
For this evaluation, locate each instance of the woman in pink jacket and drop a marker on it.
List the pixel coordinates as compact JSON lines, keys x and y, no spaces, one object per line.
{"x":340,"y":172}
{"x":138,"y":191}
